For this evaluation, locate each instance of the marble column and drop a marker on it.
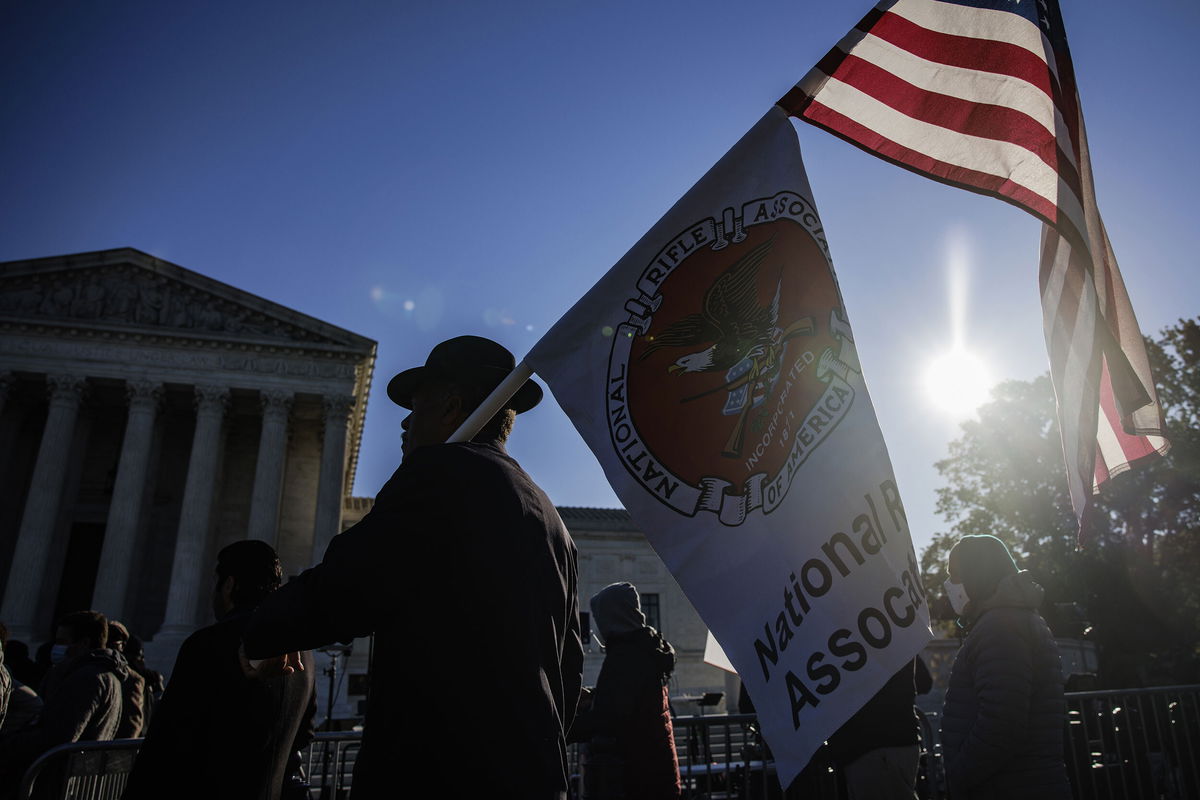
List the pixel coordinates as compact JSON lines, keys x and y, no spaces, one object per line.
{"x":23,"y":591}
{"x":268,"y":471}
{"x":330,"y":486}
{"x":125,"y":510}
{"x":192,"y":538}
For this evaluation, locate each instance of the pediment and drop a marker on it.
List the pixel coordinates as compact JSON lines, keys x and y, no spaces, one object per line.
{"x":129,"y":290}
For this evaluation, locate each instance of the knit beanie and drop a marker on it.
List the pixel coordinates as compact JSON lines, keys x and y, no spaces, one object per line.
{"x":981,"y":562}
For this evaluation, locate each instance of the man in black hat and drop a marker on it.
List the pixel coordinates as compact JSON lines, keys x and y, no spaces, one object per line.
{"x":467,"y":577}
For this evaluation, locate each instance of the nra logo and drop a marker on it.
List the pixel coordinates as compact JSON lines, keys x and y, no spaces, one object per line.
{"x":735,"y":364}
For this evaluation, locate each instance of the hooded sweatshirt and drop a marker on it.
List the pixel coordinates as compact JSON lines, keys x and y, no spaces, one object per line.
{"x":1004,"y":715}
{"x":630,"y":716}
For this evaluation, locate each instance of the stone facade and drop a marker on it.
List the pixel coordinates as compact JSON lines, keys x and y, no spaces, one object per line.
{"x":150,"y":416}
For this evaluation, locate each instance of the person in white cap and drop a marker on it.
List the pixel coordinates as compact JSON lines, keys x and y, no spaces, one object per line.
{"x":466,"y":575}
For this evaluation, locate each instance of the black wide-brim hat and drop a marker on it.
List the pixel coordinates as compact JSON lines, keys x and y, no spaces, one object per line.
{"x":474,"y":360}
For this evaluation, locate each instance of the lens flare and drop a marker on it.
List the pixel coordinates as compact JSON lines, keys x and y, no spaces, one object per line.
{"x":957,"y":382}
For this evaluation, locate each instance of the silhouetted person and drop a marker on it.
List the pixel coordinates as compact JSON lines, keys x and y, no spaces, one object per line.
{"x":20,"y":665}
{"x":1004,"y":716}
{"x":42,"y":662}
{"x":135,"y":656}
{"x":82,"y":695}
{"x":877,"y":749}
{"x":18,"y":703}
{"x":217,"y":733}
{"x":628,"y":722}
{"x":24,"y":706}
{"x":467,"y":576}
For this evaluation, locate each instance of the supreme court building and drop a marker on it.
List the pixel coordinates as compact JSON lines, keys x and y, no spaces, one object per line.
{"x":149,"y":416}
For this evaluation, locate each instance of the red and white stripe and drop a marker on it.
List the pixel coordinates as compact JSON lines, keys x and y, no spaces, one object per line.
{"x":985,"y":100}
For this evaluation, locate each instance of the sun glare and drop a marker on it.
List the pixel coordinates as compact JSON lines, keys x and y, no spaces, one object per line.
{"x":957,"y":382}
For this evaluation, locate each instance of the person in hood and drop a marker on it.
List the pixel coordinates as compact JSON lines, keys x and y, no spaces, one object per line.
{"x":82,"y":695}
{"x":1004,"y":714}
{"x":217,"y":732}
{"x":629,"y":716}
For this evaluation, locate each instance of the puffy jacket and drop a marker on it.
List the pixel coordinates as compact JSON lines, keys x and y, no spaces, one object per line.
{"x":1004,"y":715}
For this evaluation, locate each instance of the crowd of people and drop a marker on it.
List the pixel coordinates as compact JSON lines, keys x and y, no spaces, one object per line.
{"x":90,"y":682}
{"x":463,"y":554}
{"x":210,"y":732}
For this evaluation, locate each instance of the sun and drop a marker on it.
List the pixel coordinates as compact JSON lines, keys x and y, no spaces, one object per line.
{"x":957,"y":381}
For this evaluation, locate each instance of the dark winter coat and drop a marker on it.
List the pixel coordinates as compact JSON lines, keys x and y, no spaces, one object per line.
{"x":887,"y":720}
{"x":82,"y":702}
{"x":467,"y":577}
{"x":630,"y":714}
{"x":133,"y":706}
{"x":1004,"y":714}
{"x":217,"y":733}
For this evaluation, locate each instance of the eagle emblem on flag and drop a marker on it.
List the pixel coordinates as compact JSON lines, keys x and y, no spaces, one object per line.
{"x":738,"y":367}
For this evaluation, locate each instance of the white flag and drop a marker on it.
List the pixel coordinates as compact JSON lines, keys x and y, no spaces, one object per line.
{"x":713,"y":373}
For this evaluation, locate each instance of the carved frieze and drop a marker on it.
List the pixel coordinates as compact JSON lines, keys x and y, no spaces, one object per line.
{"x":150,"y":356}
{"x":128,"y":296}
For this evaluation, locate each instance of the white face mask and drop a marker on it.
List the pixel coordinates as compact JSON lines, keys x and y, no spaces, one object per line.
{"x":58,"y":653}
{"x":957,"y":596}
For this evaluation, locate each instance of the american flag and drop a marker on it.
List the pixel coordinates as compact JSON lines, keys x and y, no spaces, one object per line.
{"x":981,"y":94}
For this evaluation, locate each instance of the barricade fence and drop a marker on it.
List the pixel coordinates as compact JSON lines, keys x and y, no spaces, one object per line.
{"x":1135,"y":744}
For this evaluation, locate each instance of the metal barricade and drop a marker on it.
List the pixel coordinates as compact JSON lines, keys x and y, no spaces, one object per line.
{"x":1120,"y":745}
{"x":1135,"y":743}
{"x":724,"y":757}
{"x":81,"y":771}
{"x":100,"y":770}
{"x":328,"y":764}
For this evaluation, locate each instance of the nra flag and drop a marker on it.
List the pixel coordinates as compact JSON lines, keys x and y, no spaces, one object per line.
{"x":981,"y":94}
{"x":713,"y":373}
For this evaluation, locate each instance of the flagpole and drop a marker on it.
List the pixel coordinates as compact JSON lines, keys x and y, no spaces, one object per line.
{"x":494,"y":402}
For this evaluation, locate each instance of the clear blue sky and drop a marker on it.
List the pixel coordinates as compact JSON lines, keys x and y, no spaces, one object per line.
{"x":416,"y":171}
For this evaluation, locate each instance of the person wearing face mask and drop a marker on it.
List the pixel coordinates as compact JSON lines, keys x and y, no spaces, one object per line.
{"x":1004,"y":713}
{"x":82,"y":695}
